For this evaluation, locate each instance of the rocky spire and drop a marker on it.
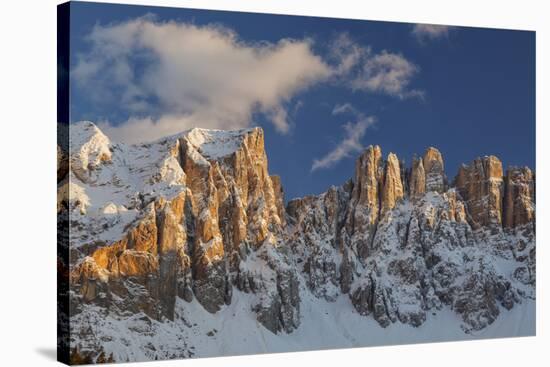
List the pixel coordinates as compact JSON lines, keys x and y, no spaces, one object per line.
{"x":368,"y":172}
{"x":434,"y":169}
{"x":393,"y":187}
{"x":365,"y":198}
{"x":417,"y":180}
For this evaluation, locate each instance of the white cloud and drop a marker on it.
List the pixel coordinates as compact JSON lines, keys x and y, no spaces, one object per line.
{"x":351,"y":143}
{"x":170,"y":76}
{"x":188,"y":75}
{"x":424,"y":32}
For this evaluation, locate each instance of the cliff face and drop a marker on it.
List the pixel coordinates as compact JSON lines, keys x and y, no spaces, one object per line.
{"x":197,"y":218}
{"x":519,"y":197}
{"x":482,"y":187}
{"x":235,"y":206}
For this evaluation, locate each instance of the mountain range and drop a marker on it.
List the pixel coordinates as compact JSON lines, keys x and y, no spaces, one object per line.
{"x":185,"y":247}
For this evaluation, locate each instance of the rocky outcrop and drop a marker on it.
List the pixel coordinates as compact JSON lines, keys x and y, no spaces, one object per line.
{"x":481,"y":186}
{"x":279,"y":310}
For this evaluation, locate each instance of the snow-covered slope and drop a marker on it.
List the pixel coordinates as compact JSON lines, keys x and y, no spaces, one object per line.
{"x":216,"y":143}
{"x":183,"y":248}
{"x":234,"y":330}
{"x":109,"y":183}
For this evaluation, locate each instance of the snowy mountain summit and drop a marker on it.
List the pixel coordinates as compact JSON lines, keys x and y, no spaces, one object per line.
{"x":184,"y":247}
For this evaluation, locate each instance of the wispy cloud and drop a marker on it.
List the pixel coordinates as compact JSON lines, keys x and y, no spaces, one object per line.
{"x":345,"y":108}
{"x":351,"y":142}
{"x":171,"y":76}
{"x":427,"y":32}
{"x":364,"y":70}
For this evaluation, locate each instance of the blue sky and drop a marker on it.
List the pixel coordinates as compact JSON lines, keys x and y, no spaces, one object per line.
{"x":467,"y":91}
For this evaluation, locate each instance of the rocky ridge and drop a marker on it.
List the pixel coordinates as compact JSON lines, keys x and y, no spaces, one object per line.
{"x":198,"y":217}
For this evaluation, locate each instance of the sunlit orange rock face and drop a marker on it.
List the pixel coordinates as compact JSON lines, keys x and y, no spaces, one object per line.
{"x":417,"y":180}
{"x":365,"y":198}
{"x":135,"y":263}
{"x":143,"y":237}
{"x":106,"y":257}
{"x":392,"y":189}
{"x":481,"y":186}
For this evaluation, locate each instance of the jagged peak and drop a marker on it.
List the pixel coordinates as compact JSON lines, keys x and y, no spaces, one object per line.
{"x":83,"y":132}
{"x":482,"y":160}
{"x":488,"y":166}
{"x":488,"y":158}
{"x":372,"y":149}
{"x":392,"y":157}
{"x":432,"y":149}
{"x":88,"y":146}
{"x":213,"y":143}
{"x":432,"y":155}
